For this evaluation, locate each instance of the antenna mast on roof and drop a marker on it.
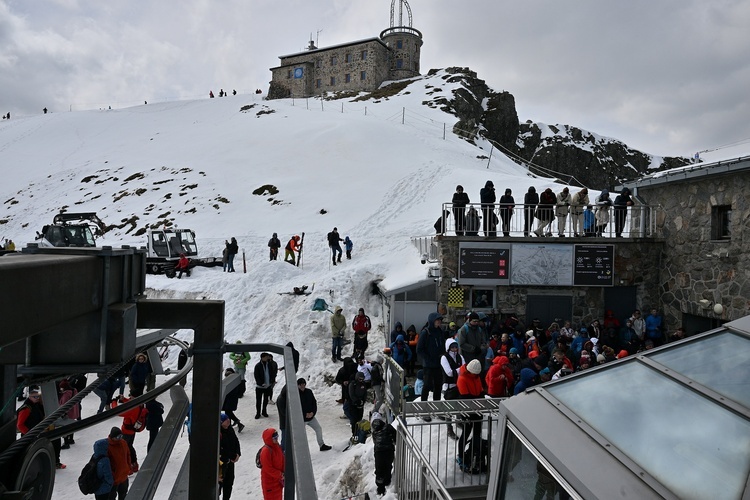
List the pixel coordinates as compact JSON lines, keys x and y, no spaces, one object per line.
{"x":401,"y":5}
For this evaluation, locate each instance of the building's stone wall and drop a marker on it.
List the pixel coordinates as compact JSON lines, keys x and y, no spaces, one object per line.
{"x":408,"y":54}
{"x":636,"y":264}
{"x":695,"y":266}
{"x":318,"y":66}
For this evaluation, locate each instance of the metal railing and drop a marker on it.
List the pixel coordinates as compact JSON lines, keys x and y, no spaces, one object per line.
{"x":638,"y":221}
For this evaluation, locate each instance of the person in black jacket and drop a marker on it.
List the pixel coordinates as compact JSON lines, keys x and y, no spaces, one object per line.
{"x":231,"y":400}
{"x":530,"y":201}
{"x":460,"y":200}
{"x":545,"y":212}
{"x":343,"y":376}
{"x":507,"y":204}
{"x":430,"y":349}
{"x":265,"y":378}
{"x":487,"y":197}
{"x":309,"y":409}
{"x":274,"y":244}
{"x":354,"y":407}
{"x":295,"y":357}
{"x":384,"y":449}
{"x":154,"y":421}
{"x":232,"y":250}
{"x":139,"y":374}
{"x":229,"y":454}
{"x":333,"y":243}
{"x":622,"y":202}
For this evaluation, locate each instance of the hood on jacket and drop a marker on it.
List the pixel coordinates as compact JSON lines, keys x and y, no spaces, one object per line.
{"x":101,"y":447}
{"x":432,"y":318}
{"x":500,"y":361}
{"x":449,"y":343}
{"x":398,"y":325}
{"x":268,"y":436}
{"x":527,"y":376}
{"x":489,"y":184}
{"x":400,"y":338}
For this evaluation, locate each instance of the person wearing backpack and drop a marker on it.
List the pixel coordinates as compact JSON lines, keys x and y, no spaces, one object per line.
{"x":272,"y":466}
{"x":102,"y":470}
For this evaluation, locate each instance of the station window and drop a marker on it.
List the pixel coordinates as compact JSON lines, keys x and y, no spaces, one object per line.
{"x":348,"y":58}
{"x":347,"y":78}
{"x":289,"y":74}
{"x":333,"y":80}
{"x":721,"y":222}
{"x":364,"y":55}
{"x":363,"y":75}
{"x":318,"y":83}
{"x":399,"y":63}
{"x":318,"y":63}
{"x":334,"y":60}
{"x":399,"y":44}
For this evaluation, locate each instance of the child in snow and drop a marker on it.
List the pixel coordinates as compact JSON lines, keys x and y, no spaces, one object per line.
{"x":348,"y":245}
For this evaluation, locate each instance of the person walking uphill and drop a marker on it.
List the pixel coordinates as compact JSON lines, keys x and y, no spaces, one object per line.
{"x":333,"y":243}
{"x":272,"y":466}
{"x":338,"y":327}
{"x":273,"y":247}
{"x":232,"y":249}
{"x":292,"y":247}
{"x":348,"y":246}
{"x":487,"y":197}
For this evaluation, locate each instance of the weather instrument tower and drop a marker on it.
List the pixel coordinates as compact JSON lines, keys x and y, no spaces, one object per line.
{"x":404,"y":41}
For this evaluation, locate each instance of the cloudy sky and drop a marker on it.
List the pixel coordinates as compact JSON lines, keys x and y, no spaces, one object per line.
{"x":669,"y":77}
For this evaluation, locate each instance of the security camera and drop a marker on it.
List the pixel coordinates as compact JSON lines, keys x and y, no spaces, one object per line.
{"x":424,"y":258}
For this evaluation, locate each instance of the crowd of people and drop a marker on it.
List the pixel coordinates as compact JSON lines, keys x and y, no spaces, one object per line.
{"x":574,"y":213}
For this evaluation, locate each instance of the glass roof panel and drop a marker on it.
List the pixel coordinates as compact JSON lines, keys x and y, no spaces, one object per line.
{"x":691,"y":445}
{"x":720,"y":362}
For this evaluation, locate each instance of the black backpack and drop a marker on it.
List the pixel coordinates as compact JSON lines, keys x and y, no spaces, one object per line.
{"x":89,"y":480}
{"x":257,"y":457}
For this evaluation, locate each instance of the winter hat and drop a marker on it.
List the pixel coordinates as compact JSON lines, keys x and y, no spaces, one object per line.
{"x":420,"y":374}
{"x":115,"y":432}
{"x":546,"y":371}
{"x":473,"y":315}
{"x":623,"y":353}
{"x":513,"y":350}
{"x":301,"y":381}
{"x":376,"y":416}
{"x":601,"y":359}
{"x":474,"y":367}
{"x":584,"y":330}
{"x":452,"y":324}
{"x":224,"y":417}
{"x":379,"y":359}
{"x":530,"y":333}
{"x":359,"y":376}
{"x":338,"y":308}
{"x":482,"y":316}
{"x":533,"y":354}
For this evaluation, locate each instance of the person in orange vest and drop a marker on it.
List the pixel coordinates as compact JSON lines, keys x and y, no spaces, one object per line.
{"x":292,"y":247}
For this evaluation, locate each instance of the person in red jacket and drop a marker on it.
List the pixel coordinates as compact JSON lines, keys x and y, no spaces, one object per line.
{"x":499,"y":378}
{"x":133,"y":420}
{"x":272,"y":466}
{"x":183,"y":266}
{"x":31,"y":413}
{"x":361,"y":322}
{"x":469,"y":385}
{"x":119,"y":458}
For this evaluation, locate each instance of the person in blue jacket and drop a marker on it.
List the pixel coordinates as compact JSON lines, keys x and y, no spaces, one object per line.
{"x":589,"y":222}
{"x":527,"y":380}
{"x":400,"y":352}
{"x":103,"y":469}
{"x":653,"y":328}
{"x":348,"y":245}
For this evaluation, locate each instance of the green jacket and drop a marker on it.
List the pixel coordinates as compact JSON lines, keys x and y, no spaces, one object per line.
{"x":240,"y":358}
{"x":338,"y":325}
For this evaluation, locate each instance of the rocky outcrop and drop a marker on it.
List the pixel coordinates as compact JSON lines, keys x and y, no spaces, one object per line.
{"x":573,"y":155}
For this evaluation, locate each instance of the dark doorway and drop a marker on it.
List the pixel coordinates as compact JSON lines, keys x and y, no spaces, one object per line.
{"x":548,"y":308}
{"x":694,"y":324}
{"x":621,"y":300}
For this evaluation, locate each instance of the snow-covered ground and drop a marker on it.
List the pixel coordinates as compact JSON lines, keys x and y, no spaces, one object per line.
{"x":348,"y":164}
